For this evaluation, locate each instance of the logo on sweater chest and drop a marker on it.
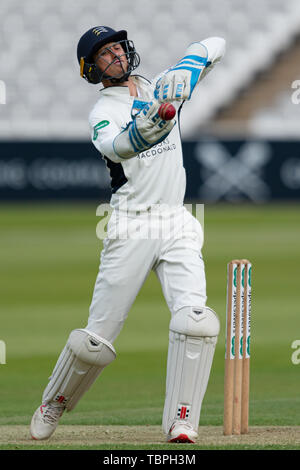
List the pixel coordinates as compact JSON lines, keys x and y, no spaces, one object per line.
{"x":158,"y":149}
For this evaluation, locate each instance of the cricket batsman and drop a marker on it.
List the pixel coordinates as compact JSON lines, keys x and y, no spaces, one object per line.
{"x":143,"y":154}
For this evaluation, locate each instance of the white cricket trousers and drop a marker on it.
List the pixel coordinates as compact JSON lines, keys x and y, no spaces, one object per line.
{"x":168,"y":241}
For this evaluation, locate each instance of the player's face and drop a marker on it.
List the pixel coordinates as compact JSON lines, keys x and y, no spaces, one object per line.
{"x":112,"y":59}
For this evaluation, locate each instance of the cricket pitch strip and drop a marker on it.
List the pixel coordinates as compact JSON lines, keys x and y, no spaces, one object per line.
{"x":148,"y":435}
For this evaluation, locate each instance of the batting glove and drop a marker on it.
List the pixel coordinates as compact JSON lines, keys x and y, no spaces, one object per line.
{"x":178,"y":83}
{"x":143,"y":132}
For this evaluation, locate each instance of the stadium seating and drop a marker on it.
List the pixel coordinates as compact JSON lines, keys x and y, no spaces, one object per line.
{"x":46,"y":97}
{"x":279,"y":120}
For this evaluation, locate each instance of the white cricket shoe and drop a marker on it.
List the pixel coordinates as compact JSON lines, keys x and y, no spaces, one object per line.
{"x":182,"y":431}
{"x":45,"y":420}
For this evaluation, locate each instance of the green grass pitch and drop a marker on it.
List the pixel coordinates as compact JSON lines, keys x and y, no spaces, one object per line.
{"x":49,"y":261}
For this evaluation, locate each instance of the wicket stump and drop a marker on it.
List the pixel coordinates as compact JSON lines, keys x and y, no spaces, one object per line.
{"x":237,"y":349}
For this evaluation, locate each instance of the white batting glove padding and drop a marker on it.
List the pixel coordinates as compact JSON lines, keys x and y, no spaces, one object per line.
{"x":216,"y":47}
{"x":174,"y":86}
{"x":178,"y":83}
{"x":143,"y":132}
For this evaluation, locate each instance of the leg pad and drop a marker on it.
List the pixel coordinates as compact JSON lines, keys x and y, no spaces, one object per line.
{"x":192,"y":341}
{"x":80,"y":363}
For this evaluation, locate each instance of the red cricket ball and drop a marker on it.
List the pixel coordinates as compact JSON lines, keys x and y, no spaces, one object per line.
{"x":166,"y":111}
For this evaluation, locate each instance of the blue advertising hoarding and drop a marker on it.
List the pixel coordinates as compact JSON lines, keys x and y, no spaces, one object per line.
{"x":232,"y":170}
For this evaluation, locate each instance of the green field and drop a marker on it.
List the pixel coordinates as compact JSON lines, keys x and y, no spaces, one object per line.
{"x":49,"y":258}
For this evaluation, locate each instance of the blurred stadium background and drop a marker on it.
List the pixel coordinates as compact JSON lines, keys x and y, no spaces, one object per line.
{"x":242,"y":154}
{"x":247,"y":107}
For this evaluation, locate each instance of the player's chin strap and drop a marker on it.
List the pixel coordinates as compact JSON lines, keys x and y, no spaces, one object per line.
{"x":93,"y":74}
{"x":192,"y":341}
{"x":80,"y":363}
{"x":116,"y":79}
